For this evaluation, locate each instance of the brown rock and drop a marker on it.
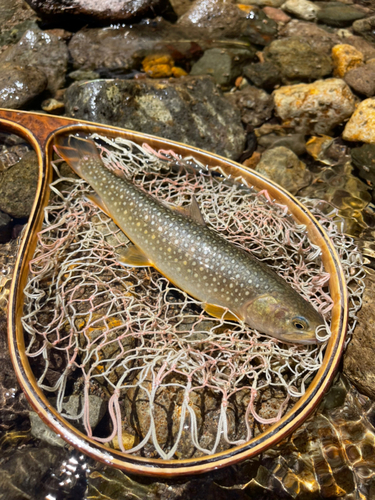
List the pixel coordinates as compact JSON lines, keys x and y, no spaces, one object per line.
{"x":19,"y":85}
{"x":362,"y":79}
{"x":277,"y":15}
{"x":254,"y":104}
{"x":367,"y":48}
{"x":318,"y":38}
{"x":359,"y":364}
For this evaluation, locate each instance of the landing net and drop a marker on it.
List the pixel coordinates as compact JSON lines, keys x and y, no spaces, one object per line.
{"x":172,"y":381}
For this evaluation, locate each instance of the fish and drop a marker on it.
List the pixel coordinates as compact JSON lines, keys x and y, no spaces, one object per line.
{"x":229,"y":281}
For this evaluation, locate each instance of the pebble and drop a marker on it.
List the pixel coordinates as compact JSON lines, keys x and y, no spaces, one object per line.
{"x":362,"y":79}
{"x":264,"y":75}
{"x":277,"y":15}
{"x":338,"y":14}
{"x":345,"y":57}
{"x":224,"y":65}
{"x":303,"y":9}
{"x":361,"y":126}
{"x":365,"y":28}
{"x":255,"y":105}
{"x":297,"y":60}
{"x":284,"y":167}
{"x":314,"y":108}
{"x":158,"y":65}
{"x":40,"y":430}
{"x":294,"y":142}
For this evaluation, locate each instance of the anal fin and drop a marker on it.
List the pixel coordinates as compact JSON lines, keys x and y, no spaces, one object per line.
{"x":134,"y":257}
{"x":220,"y":312}
{"x":96,"y":200}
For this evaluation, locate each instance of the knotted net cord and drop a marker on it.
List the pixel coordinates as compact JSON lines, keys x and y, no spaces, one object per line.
{"x":175,"y":381}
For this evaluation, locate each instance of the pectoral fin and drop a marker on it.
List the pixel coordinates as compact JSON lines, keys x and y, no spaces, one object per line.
{"x":193,"y":211}
{"x":220,"y":312}
{"x":134,"y":257}
{"x":96,"y":200}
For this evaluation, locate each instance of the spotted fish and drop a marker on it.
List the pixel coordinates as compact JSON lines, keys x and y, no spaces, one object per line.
{"x":230,"y":282}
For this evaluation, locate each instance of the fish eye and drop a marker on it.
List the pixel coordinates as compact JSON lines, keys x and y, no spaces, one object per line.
{"x":299,"y":323}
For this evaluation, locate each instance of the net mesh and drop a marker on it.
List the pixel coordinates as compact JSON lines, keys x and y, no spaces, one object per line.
{"x":173,"y":382}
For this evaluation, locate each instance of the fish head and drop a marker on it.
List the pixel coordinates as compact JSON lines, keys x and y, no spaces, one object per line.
{"x":289,"y":321}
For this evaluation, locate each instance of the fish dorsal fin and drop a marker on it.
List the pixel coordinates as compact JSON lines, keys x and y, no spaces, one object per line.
{"x":96,"y":200}
{"x":134,"y":257}
{"x":220,"y":312}
{"x":74,"y":149}
{"x":193,"y":211}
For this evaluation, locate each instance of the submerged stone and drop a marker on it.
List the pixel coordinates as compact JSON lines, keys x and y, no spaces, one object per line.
{"x":338,"y":13}
{"x":189,"y":110}
{"x":363,"y":159}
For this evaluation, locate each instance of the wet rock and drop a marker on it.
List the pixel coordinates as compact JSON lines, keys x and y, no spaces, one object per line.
{"x":223,"y":19}
{"x":40,"y":430}
{"x":318,"y":38}
{"x":113,"y":52}
{"x":345,"y":57}
{"x":106,"y":12}
{"x":18,"y":187}
{"x":364,"y":159}
{"x":164,"y":108}
{"x":314,"y":108}
{"x":264,"y":75}
{"x":362,"y":79}
{"x":366,"y":28}
{"x":304,"y":9}
{"x":361,"y":126}
{"x":19,"y":85}
{"x":224,"y":65}
{"x":297,"y":61}
{"x":359,"y":355}
{"x":254,"y":104}
{"x":5,"y":227}
{"x":43,"y":51}
{"x":338,"y":13}
{"x":283,"y":167}
{"x":15,"y":18}
{"x":263,"y":3}
{"x":277,"y":15}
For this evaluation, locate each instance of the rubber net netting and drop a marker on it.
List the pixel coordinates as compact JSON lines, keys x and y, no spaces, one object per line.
{"x":172,"y":381}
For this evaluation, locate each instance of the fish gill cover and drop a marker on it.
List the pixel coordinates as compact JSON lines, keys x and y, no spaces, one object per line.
{"x":172,"y":381}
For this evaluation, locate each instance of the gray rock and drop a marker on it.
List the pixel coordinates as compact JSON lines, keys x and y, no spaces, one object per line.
{"x":18,"y":187}
{"x":175,"y":109}
{"x":255,"y":105}
{"x":40,"y":430}
{"x":359,"y":364}
{"x":304,"y":9}
{"x":73,"y":407}
{"x":364,"y":159}
{"x":104,"y":11}
{"x":319,"y":39}
{"x":225,"y":19}
{"x":362,"y":79}
{"x":224,"y":65}
{"x":264,"y":75}
{"x":81,"y":75}
{"x":113,"y":51}
{"x":283,"y":167}
{"x":297,"y":61}
{"x":19,"y":85}
{"x":365,"y":28}
{"x":42,"y":50}
{"x":367,"y":49}
{"x":338,"y":13}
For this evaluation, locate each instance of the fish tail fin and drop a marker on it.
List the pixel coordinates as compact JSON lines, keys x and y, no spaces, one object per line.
{"x":74,"y":149}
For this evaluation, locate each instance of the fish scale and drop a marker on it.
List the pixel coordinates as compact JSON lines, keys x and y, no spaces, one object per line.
{"x":229,"y":281}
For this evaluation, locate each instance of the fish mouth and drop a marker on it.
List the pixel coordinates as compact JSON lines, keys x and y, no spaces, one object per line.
{"x":300,"y":340}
